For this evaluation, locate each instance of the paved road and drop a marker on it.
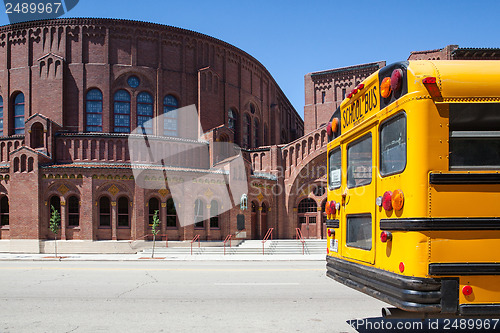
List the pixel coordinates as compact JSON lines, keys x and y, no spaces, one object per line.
{"x":176,"y":297}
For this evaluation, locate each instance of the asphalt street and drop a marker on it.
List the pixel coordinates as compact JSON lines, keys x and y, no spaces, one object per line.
{"x":164,"y":296}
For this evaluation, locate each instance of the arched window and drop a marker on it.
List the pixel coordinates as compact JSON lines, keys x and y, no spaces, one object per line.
{"x":104,"y":212}
{"x":153,"y":206}
{"x":55,"y":203}
{"x":247,"y":130}
{"x":170,"y":116}
{"x":123,"y":207}
{"x":4,"y":210}
{"x":232,"y":122}
{"x":171,"y":214}
{"x":1,"y":116}
{"x":19,"y":114}
{"x":94,"y":111}
{"x":145,"y":112}
{"x":256,"y":133}
{"x":307,"y":206}
{"x":121,"y":109}
{"x":37,"y":135}
{"x":198,"y":214}
{"x":214,"y":213}
{"x":73,"y":211}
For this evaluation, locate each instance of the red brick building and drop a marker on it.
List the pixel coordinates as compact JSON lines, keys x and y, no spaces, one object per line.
{"x":71,"y":91}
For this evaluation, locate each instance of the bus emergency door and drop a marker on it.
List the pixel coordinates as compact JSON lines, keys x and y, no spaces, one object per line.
{"x":358,"y":197}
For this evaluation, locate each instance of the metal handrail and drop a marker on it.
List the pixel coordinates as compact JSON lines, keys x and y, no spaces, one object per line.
{"x":195,"y":238}
{"x":298,"y":236}
{"x":269,"y":233}
{"x":228,"y":238}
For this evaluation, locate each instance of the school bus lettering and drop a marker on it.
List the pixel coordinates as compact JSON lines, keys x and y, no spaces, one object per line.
{"x":356,"y":111}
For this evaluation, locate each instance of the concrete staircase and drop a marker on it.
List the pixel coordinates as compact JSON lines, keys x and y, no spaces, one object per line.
{"x":248,"y":247}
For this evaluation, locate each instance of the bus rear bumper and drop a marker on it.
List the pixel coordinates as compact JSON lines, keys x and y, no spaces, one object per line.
{"x":407,"y":293}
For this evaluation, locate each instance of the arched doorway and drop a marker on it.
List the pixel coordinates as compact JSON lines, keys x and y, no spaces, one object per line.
{"x":308,"y":212}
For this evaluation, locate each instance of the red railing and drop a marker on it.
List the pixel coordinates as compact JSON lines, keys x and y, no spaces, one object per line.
{"x":195,"y":238}
{"x":269,"y":233}
{"x":298,"y":236}
{"x":228,"y":239}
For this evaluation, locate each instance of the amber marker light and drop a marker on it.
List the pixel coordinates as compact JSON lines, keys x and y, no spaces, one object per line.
{"x":398,"y":200}
{"x":385,"y":87}
{"x":327,"y":208}
{"x":335,"y":125}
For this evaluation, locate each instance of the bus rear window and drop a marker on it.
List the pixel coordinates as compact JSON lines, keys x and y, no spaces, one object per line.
{"x":334,"y":169}
{"x":359,"y":232}
{"x":393,"y":146}
{"x":475,"y":136}
{"x":359,"y":162}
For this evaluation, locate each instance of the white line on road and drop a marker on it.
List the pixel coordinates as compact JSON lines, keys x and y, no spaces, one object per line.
{"x":258,"y":284}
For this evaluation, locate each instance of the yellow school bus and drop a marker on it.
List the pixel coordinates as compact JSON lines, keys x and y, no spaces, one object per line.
{"x":413,"y":208}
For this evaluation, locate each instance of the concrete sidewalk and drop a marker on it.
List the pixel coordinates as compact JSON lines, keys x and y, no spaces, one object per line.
{"x":158,"y":257}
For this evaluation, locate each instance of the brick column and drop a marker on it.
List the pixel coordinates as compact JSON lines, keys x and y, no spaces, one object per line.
{"x":163,"y":218}
{"x":114,"y":213}
{"x":64,"y":219}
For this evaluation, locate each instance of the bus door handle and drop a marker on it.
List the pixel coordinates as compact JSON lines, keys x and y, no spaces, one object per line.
{"x":345,"y":198}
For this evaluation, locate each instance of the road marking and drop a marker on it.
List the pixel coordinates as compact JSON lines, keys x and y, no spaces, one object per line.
{"x":259,"y":284}
{"x":167,"y":269}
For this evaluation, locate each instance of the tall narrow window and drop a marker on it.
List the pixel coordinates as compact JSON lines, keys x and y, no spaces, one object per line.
{"x":4,"y":210}
{"x":256,"y":140}
{"x":232,"y":123}
{"x":123,"y":208}
{"x":94,"y":110}
{"x":171,"y":214}
{"x":54,"y":202}
{"x":247,"y":130}
{"x":214,"y":213}
{"x":198,"y":214}
{"x":343,"y":93}
{"x":323,"y":95}
{"x":1,"y":116}
{"x":121,"y":109}
{"x":145,"y":112}
{"x":19,"y":114}
{"x":104,"y":212}
{"x":73,"y":211}
{"x":153,"y":206}
{"x":170,"y":105}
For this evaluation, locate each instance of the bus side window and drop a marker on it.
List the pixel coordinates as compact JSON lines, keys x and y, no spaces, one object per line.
{"x":393,"y":145}
{"x":334,"y":169}
{"x":359,"y":162}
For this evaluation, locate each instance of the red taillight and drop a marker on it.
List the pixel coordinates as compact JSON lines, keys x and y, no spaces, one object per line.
{"x":361,"y":86}
{"x":331,"y":232}
{"x":333,"y":208}
{"x":467,"y":290}
{"x":387,"y":200}
{"x":401,"y":267}
{"x":350,"y":95}
{"x":385,"y":236}
{"x":396,"y":79}
{"x":430,"y":84}
{"x":329,"y":129}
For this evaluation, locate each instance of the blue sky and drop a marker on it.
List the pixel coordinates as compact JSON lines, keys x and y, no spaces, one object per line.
{"x":293,"y":38}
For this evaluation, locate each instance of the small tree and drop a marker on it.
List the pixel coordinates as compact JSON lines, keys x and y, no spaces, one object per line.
{"x":155,"y":230}
{"x":55,"y":222}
